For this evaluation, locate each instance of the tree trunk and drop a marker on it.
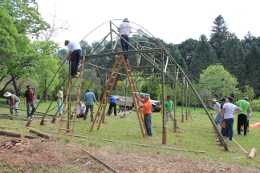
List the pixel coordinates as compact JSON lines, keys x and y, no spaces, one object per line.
{"x":6,"y":84}
{"x":16,"y":89}
{"x":45,"y":92}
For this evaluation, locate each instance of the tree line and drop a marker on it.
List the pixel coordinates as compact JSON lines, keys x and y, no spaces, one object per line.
{"x":24,"y":59}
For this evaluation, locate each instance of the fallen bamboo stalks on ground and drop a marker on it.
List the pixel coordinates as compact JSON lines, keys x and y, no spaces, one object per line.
{"x":251,"y":154}
{"x":40,"y":134}
{"x":99,"y":161}
{"x":143,"y":145}
{"x":14,"y":134}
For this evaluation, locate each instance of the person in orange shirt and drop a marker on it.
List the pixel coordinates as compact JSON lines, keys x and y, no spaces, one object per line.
{"x":147,"y":111}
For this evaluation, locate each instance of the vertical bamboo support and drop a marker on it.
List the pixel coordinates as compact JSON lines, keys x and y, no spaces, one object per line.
{"x":164,"y":127}
{"x":182,"y":98}
{"x":175,"y":100}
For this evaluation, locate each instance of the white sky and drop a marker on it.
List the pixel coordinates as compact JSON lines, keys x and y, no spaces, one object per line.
{"x":172,"y":20}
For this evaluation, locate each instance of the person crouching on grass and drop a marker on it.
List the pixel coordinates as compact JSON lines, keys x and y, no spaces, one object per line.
{"x":13,"y":101}
{"x":147,"y":111}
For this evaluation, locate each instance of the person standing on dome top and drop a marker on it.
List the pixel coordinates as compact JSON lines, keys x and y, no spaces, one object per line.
{"x":124,"y":32}
{"x":74,"y":56}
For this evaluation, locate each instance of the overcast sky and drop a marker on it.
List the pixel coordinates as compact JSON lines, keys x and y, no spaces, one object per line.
{"x":172,"y":20}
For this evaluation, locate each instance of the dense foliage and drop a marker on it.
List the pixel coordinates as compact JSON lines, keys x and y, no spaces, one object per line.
{"x":219,"y":65}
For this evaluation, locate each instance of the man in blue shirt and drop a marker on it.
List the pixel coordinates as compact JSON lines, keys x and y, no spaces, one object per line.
{"x":112,"y":104}
{"x":90,"y":99}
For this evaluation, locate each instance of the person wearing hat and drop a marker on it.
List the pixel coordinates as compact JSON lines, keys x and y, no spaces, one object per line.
{"x":74,"y":56}
{"x":124,"y":32}
{"x":13,"y":102}
{"x":30,"y":98}
{"x":244,"y":115}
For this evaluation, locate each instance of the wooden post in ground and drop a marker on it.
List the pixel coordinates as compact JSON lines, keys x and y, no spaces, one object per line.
{"x":182,"y":99}
{"x":175,"y":100}
{"x":164,"y":126}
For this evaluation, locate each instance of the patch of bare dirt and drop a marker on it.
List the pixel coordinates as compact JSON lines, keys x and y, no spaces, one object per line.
{"x":53,"y":156}
{"x":43,"y":156}
{"x":152,"y":163}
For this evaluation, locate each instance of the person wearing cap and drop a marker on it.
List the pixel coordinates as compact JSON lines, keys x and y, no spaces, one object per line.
{"x":227,"y":113}
{"x":124,"y":32}
{"x":74,"y":56}
{"x":147,"y":111}
{"x":13,"y":102}
{"x":244,"y":115}
{"x":30,"y":98}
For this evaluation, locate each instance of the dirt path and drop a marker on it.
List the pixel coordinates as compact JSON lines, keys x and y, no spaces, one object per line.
{"x":31,"y":156}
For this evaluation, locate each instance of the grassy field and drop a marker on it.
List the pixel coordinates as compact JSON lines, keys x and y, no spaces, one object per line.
{"x":119,"y":134}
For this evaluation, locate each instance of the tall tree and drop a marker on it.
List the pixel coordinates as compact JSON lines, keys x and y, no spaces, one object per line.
{"x":252,"y":63}
{"x":203,"y":56}
{"x":219,"y":36}
{"x":234,"y":57}
{"x":26,"y":15}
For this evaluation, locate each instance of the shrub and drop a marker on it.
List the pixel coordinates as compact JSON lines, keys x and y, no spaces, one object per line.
{"x":255,"y":104}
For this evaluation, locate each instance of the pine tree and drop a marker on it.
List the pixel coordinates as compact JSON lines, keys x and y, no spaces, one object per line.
{"x":219,"y":36}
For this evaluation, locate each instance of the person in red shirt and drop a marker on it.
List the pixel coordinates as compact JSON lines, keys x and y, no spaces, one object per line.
{"x":30,"y":101}
{"x":147,"y":111}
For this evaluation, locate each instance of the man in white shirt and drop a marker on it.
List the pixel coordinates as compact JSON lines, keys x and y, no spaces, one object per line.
{"x":124,"y":31}
{"x":227,"y":112}
{"x":74,"y":56}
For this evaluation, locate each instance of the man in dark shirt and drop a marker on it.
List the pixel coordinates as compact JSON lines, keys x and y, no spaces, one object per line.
{"x":30,"y":101}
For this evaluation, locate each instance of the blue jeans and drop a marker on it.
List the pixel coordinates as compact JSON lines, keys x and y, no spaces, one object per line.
{"x":30,"y":109}
{"x":60,"y":106}
{"x":148,"y":124}
{"x":229,"y":127}
{"x":218,"y":119}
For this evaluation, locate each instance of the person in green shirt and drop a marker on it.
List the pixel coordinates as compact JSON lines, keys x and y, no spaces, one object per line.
{"x":244,"y":115}
{"x":168,"y":109}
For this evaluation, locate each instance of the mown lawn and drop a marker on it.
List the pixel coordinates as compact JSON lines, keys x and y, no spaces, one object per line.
{"x":119,"y":134}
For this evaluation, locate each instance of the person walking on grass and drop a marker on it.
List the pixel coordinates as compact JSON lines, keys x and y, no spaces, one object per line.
{"x":244,"y":115}
{"x":227,"y":112}
{"x":30,"y":98}
{"x":74,"y":56}
{"x":13,"y":102}
{"x":147,"y":111}
{"x":124,"y":32}
{"x":90,"y":99}
{"x":112,"y":105}
{"x":169,"y":109}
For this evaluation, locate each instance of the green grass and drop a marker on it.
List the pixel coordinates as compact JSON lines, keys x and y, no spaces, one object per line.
{"x":195,"y":134}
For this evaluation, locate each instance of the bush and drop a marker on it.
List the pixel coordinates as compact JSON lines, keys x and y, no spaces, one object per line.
{"x":255,"y":104}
